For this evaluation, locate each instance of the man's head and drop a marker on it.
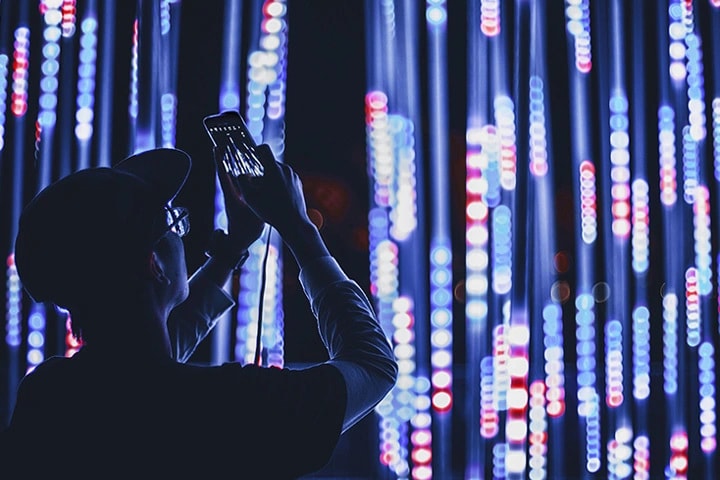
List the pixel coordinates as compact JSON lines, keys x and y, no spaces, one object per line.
{"x":97,"y":235}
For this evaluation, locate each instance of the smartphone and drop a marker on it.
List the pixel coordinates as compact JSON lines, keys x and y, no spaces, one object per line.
{"x":229,"y":132}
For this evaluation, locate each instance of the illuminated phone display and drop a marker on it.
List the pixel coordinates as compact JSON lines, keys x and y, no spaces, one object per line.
{"x":229,"y":132}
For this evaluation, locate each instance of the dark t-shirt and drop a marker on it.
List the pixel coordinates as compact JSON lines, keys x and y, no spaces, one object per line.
{"x":87,"y":417}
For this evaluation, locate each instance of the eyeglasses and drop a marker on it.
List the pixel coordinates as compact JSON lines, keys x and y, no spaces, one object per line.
{"x":177,"y":220}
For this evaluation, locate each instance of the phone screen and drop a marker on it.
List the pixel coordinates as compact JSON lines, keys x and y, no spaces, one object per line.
{"x":229,"y":132}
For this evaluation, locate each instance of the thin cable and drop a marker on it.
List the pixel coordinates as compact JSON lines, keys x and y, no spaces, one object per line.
{"x":263,"y":281}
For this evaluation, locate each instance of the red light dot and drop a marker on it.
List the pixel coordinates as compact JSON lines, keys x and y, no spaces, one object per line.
{"x":442,"y":401}
{"x":679,"y":463}
{"x":537,"y":388}
{"x":18,"y":108}
{"x":423,"y":472}
{"x":489,"y":431}
{"x":621,"y":228}
{"x":614,"y":400}
{"x":584,"y":67}
{"x":556,"y":409}
{"x":587,"y":166}
{"x":554,"y":394}
{"x":679,"y":442}
{"x":386,"y":458}
{"x":708,"y":444}
{"x":421,"y":438}
{"x":422,"y":455}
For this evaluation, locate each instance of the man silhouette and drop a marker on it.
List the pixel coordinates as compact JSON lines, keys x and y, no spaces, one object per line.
{"x":105,"y":243}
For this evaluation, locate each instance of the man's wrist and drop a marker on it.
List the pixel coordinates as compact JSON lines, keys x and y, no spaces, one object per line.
{"x":222,"y":249}
{"x":306,"y":244}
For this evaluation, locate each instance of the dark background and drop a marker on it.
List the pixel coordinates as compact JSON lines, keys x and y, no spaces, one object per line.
{"x":325,"y":143}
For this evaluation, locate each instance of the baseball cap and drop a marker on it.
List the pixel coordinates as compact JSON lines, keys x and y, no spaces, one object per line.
{"x":92,"y":226}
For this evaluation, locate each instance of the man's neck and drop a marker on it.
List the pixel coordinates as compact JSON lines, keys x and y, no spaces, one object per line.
{"x":130,"y":334}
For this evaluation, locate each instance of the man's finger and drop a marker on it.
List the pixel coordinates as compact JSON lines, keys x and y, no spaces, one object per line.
{"x":226,"y":179}
{"x":266,"y":157}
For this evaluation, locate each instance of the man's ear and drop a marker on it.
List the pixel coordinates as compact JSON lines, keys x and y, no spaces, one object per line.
{"x":156,"y":269}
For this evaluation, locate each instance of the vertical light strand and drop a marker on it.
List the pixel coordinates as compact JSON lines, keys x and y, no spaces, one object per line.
{"x":402,"y":133}
{"x":3,"y":96}
{"x":21,"y":65}
{"x":585,"y":189}
{"x":706,"y":372}
{"x":105,"y":84}
{"x":85,"y":100}
{"x":53,"y":19}
{"x":577,"y":13}
{"x":707,"y":351}
{"x":440,"y":245}
{"x":483,"y":417}
{"x":147,"y":55}
{"x":36,"y":336}
{"x":704,"y":422}
{"x":274,"y":41}
{"x":229,"y":99}
{"x":547,"y":362}
{"x":266,"y":67}
{"x":403,"y":80}
{"x":671,"y":69}
{"x":394,"y":312}
{"x":640,"y":246}
{"x":516,"y":425}
{"x":50,"y":66}
{"x":13,"y":306}
{"x":134,"y":67}
{"x":18,"y":108}
{"x":66,"y":89}
{"x":170,"y":11}
{"x":537,"y":428}
{"x":615,"y":154}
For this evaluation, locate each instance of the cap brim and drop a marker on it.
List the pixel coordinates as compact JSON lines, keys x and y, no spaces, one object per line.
{"x":165,"y":169}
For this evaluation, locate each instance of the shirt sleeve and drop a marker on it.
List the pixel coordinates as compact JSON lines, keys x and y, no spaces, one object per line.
{"x":191,"y":321}
{"x":356,"y":344}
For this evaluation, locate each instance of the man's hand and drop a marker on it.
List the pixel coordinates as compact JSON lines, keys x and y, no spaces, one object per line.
{"x":244,"y":227}
{"x":277,"y":196}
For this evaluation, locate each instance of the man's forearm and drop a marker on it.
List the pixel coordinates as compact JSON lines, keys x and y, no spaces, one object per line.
{"x":356,"y":344}
{"x":191,"y":321}
{"x":305,"y":243}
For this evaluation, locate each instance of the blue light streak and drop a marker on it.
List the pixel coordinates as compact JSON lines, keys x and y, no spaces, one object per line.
{"x":265,"y":71}
{"x":640,"y":226}
{"x":395,"y":314}
{"x":85,"y":102}
{"x":666,"y":150}
{"x":230,"y":100}
{"x":702,"y":237}
{"x":677,"y":32}
{"x":502,"y":250}
{"x":690,"y":165}
{"x":36,"y":336}
{"x":706,"y":372}
{"x":3,"y":97}
{"x":577,"y":13}
{"x":13,"y":327}
{"x":670,"y":343}
{"x":105,"y":85}
{"x":641,"y":353}
{"x":505,"y":121}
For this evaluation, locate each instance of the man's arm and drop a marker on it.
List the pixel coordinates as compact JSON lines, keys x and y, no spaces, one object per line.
{"x":191,"y":321}
{"x":356,"y":344}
